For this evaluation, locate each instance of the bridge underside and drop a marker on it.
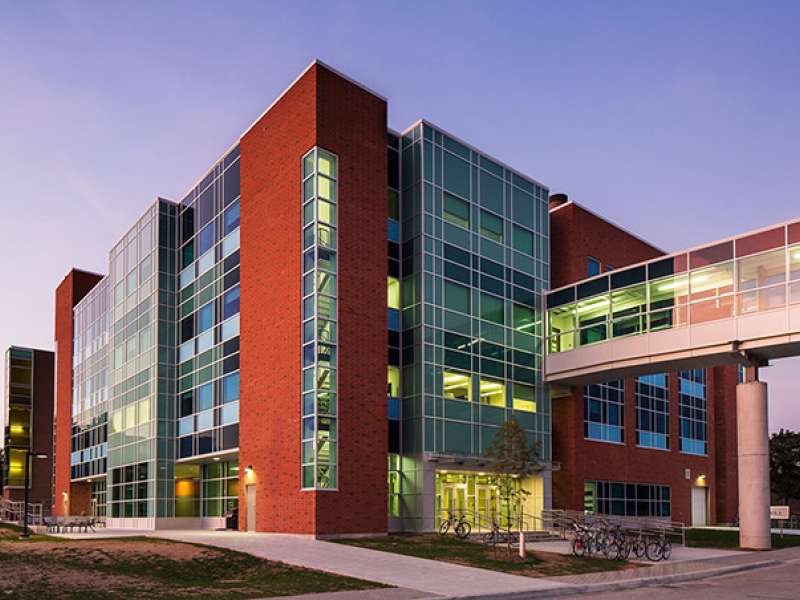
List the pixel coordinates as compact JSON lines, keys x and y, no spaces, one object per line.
{"x":763,"y":336}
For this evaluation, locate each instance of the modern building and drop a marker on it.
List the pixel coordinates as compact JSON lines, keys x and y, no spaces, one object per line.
{"x":27,"y":421}
{"x":660,"y":445}
{"x":325,"y":332}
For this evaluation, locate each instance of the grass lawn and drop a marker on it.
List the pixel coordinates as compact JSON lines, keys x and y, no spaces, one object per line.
{"x":46,"y":568}
{"x":450,"y":549}
{"x":715,"y":538}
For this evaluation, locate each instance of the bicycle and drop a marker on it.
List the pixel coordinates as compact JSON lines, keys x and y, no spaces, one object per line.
{"x":496,"y":535}
{"x":460,"y":525}
{"x":583,"y":540}
{"x":659,"y":548}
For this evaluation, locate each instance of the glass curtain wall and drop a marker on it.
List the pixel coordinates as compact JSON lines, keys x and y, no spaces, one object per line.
{"x":474,"y":265}
{"x":90,"y":377}
{"x":207,"y":320}
{"x":141,"y":286}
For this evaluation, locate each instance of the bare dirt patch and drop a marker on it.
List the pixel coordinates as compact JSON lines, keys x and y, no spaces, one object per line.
{"x":142,"y":568}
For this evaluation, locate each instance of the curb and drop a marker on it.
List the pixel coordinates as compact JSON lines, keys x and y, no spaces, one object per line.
{"x":595,"y":588}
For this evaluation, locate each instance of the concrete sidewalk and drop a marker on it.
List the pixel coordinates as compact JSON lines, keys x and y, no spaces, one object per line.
{"x":422,"y":578}
{"x":417,"y":574}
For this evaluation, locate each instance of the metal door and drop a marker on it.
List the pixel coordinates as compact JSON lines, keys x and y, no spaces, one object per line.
{"x":251,"y":507}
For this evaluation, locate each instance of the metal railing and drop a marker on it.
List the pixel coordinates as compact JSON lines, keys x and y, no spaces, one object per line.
{"x":563,"y":521}
{"x":482,"y":522}
{"x":12,"y":511}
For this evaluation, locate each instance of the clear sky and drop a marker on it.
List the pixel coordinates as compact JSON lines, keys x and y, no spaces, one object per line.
{"x":677,"y":120}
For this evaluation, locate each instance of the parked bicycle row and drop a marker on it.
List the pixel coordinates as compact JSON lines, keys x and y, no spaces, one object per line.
{"x":614,"y":542}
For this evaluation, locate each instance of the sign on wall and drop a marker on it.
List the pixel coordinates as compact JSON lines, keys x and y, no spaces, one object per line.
{"x":779,"y":512}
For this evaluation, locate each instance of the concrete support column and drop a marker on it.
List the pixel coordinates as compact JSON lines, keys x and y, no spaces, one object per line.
{"x":753,"y":447}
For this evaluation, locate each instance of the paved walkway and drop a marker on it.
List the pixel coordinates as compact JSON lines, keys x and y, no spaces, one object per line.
{"x":777,"y":582}
{"x":432,"y":577}
{"x":737,"y":559}
{"x":679,"y":553}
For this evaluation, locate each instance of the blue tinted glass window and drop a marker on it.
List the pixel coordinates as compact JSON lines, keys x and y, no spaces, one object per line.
{"x":604,"y":413}
{"x":205,"y":239}
{"x":230,"y":219}
{"x":394,"y":319}
{"x":205,"y":317}
{"x":230,"y":303}
{"x":230,"y":388}
{"x":394,"y":231}
{"x":205,"y":397}
{"x":593,"y":267}
{"x":652,"y":411}
{"x":394,"y":408}
{"x":693,"y":409}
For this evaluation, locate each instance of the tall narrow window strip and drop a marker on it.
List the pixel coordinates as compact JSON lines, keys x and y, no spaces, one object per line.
{"x":693,"y":406}
{"x":318,"y":401}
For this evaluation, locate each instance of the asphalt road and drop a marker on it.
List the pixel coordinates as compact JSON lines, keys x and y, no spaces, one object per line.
{"x":781,"y":582}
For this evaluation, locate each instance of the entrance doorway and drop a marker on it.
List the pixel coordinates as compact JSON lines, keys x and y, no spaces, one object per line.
{"x":699,"y":506}
{"x":488,"y":501}
{"x":250,"y":491}
{"x":454,"y":500}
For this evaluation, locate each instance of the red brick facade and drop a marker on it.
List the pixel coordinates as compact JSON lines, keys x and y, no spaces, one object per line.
{"x":69,"y":292}
{"x":577,"y":234}
{"x":322,"y":109}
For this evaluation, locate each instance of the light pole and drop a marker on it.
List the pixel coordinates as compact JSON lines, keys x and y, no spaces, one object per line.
{"x":28,"y":455}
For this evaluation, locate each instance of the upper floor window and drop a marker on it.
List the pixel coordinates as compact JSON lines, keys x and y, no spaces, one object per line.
{"x":693,"y":411}
{"x":604,"y":411}
{"x":592,"y":267}
{"x":652,"y":411}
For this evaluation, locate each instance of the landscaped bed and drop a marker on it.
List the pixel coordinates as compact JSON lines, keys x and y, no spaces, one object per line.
{"x":46,"y":567}
{"x":722,"y":538}
{"x":473,"y":554}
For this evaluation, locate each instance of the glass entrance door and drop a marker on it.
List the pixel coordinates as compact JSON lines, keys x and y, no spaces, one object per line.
{"x":454,"y":500}
{"x":487,"y":504}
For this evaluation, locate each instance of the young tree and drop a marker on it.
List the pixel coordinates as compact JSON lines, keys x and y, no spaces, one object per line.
{"x":512,"y":459}
{"x":784,"y":465}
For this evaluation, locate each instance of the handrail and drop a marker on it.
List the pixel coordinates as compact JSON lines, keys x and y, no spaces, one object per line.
{"x":564,"y":519}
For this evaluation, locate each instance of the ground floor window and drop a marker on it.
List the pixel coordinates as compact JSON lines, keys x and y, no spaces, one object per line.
{"x":206,"y":490}
{"x":98,"y":491}
{"x":623,"y":499}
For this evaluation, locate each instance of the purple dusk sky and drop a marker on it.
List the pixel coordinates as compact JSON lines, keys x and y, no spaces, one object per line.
{"x":678,"y":121}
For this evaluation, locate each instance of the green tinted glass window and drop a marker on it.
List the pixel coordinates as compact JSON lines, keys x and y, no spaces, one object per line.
{"x":491,"y":195}
{"x":456,"y":297}
{"x":456,"y":175}
{"x":492,"y":309}
{"x":523,"y":318}
{"x":491,"y":226}
{"x":523,"y":240}
{"x":456,"y":211}
{"x":523,"y":208}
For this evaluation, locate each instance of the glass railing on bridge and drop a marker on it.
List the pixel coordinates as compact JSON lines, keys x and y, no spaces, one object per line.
{"x":752,"y":273}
